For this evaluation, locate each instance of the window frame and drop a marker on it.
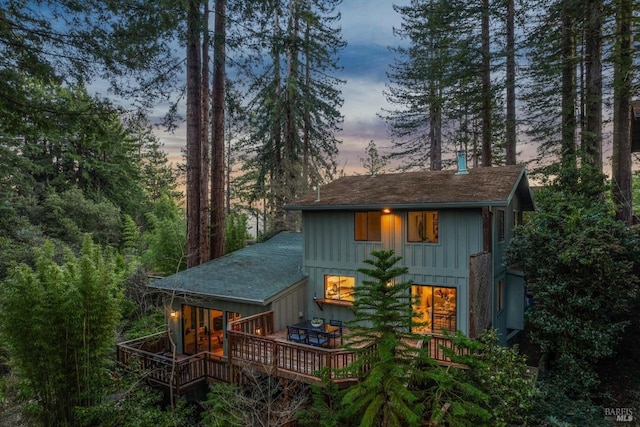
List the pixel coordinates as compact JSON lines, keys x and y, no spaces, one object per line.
{"x":429,"y":217}
{"x":372,"y":233}
{"x":338,"y":289}
{"x":431,"y":290}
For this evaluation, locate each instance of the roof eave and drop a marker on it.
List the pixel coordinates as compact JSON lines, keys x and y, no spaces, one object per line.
{"x":377,"y":206}
{"x":179,"y":292}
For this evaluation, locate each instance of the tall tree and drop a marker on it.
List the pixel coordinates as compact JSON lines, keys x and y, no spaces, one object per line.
{"x":623,"y":89}
{"x":487,"y":102}
{"x":592,"y":135}
{"x":217,"y":242}
{"x":511,"y":135}
{"x":194,"y":133}
{"x":419,"y":91}
{"x":205,"y":99}
{"x":295,"y":102}
{"x":442,"y":83}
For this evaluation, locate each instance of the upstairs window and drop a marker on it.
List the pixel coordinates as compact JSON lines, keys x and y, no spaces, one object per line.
{"x":422,"y":226}
{"x":367,"y":226}
{"x":339,"y":288}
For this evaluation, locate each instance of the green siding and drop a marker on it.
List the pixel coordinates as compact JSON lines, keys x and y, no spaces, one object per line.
{"x":330,"y":248}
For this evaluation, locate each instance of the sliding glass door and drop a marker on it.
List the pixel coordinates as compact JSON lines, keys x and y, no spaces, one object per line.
{"x":203,"y":329}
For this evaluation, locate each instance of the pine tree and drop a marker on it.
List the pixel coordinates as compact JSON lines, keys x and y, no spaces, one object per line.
{"x":294,"y":101}
{"x":373,"y":163}
{"x":384,"y":318}
{"x":442,"y":93}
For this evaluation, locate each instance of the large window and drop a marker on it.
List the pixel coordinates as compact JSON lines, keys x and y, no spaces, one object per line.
{"x":367,"y":226}
{"x":422,"y":226}
{"x":339,"y":288}
{"x":435,"y":307}
{"x":203,"y":329}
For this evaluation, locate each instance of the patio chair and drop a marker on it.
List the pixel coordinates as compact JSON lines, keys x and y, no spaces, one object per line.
{"x":296,"y":335}
{"x":318,"y":339}
{"x":338,"y":323}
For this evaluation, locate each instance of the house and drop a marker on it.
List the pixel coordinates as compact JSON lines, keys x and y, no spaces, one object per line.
{"x":203,"y":300}
{"x":451,"y":229}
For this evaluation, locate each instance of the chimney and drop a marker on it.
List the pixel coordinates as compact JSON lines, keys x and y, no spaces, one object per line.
{"x":462,"y":163}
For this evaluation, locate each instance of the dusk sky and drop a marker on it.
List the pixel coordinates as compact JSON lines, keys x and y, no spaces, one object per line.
{"x":367,"y":27}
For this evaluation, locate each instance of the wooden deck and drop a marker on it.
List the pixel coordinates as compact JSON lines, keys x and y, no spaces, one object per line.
{"x":151,"y":357}
{"x":270,"y":352}
{"x":252,"y":344}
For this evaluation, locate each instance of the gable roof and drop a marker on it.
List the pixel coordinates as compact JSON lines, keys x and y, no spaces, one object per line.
{"x":253,"y":274}
{"x":492,"y":186}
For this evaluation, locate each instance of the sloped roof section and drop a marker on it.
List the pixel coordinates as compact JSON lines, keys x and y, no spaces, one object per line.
{"x":253,"y":274}
{"x":493,"y":186}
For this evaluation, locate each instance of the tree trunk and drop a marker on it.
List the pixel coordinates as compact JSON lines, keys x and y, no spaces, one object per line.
{"x":194,"y":134}
{"x":592,"y":137}
{"x":277,"y":172}
{"x":204,"y":182}
{"x":623,"y":90}
{"x":217,"y":139}
{"x":511,"y":86}
{"x":568,"y":148}
{"x":435,"y":133}
{"x":486,"y":87}
{"x":306,"y":181}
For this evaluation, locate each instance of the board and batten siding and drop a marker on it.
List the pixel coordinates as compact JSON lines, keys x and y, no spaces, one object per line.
{"x":330,"y":248}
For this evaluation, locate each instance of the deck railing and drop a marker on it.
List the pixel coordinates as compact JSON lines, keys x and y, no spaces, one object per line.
{"x":249,"y":345}
{"x":151,"y":356}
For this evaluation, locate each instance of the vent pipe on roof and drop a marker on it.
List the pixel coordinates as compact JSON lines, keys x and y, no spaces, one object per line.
{"x":318,"y":197}
{"x":462,"y":163}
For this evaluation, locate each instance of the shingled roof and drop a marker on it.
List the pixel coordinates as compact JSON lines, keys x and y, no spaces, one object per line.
{"x":254,"y":274}
{"x":492,"y":186}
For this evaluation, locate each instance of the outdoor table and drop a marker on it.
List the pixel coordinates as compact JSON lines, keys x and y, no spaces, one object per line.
{"x":331,"y":331}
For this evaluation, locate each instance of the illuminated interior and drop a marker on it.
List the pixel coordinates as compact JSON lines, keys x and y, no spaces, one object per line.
{"x":435,"y":308}
{"x":203,"y":329}
{"x":339,"y":288}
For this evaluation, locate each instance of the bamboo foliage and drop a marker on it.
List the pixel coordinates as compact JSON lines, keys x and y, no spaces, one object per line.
{"x":59,"y":322}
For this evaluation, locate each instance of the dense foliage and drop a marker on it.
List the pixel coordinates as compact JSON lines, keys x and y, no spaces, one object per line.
{"x":58,"y":322}
{"x":586,"y":290}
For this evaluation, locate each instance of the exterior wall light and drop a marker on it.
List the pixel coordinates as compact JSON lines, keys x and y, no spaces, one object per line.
{"x":174,"y":314}
{"x":386,"y":210}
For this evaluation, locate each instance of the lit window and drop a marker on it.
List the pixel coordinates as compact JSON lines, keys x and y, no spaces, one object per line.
{"x":422,"y":226}
{"x":367,"y":226}
{"x":435,"y":308}
{"x":339,"y":288}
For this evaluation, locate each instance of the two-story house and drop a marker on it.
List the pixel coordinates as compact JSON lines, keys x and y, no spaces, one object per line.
{"x":451,"y":229}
